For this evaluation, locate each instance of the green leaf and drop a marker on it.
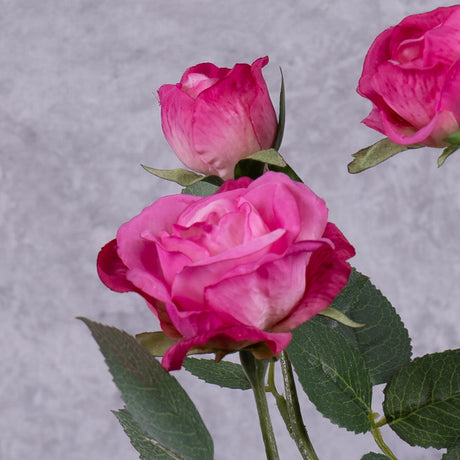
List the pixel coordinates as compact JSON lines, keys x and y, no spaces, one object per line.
{"x":154,"y":398}
{"x":373,"y":456}
{"x":224,"y":373}
{"x":333,"y":374}
{"x":141,"y":441}
{"x":422,"y":401}
{"x":383,"y":341}
{"x":447,"y":152}
{"x":453,"y":453}
{"x":201,"y":188}
{"x":373,"y":155}
{"x":270,"y":157}
{"x":281,"y":115}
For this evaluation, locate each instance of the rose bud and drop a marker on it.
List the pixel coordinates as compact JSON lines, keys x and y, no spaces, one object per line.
{"x":240,"y":268}
{"x":412,"y":76}
{"x":217,"y":116}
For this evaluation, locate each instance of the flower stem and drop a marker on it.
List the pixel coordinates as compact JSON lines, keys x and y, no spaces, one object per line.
{"x":255,"y":370}
{"x":297,"y":428}
{"x":379,"y":439}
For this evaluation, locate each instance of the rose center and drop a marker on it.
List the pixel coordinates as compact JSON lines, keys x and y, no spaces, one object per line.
{"x":196,"y":83}
{"x":410,"y":50}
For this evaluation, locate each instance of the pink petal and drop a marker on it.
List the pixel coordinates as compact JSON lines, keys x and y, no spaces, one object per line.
{"x":262,"y":298}
{"x":177,"y":112}
{"x":136,"y":238}
{"x":245,"y":258}
{"x":327,"y":273}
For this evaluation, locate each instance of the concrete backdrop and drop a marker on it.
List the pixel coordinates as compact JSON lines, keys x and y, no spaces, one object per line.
{"x":78,"y":117}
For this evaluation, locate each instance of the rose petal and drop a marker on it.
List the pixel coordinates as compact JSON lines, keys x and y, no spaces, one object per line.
{"x":327,"y":274}
{"x":111,"y":269}
{"x":262,"y":298}
{"x":227,"y":339}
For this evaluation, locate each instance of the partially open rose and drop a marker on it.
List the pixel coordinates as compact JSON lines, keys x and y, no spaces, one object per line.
{"x":217,"y":116}
{"x":242,"y":267}
{"x":412,"y":76}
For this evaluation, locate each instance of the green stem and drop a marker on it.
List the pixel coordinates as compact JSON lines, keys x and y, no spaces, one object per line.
{"x":379,"y":439}
{"x":298,"y":431}
{"x":255,"y":370}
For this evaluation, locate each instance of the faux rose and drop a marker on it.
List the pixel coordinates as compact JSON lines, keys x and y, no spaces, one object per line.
{"x":412,"y":76}
{"x":241,"y":267}
{"x":217,"y":116}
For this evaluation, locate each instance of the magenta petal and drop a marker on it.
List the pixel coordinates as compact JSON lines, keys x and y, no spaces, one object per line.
{"x":327,"y":274}
{"x":111,"y":269}
{"x":378,"y":52}
{"x":262,"y":113}
{"x":411,"y":93}
{"x":226,"y":339}
{"x":262,"y":298}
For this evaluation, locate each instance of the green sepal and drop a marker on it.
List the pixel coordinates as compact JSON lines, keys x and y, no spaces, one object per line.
{"x":383,"y":341}
{"x":337,"y":315}
{"x":157,"y":403}
{"x":333,"y":374}
{"x":454,"y":138}
{"x":182,"y":176}
{"x":422,"y":401}
{"x":157,"y":343}
{"x":447,"y":152}
{"x":373,"y":155}
{"x":281,"y":115}
{"x":255,"y":165}
{"x":201,"y":188}
{"x":269,"y":156}
{"x":286,"y":170}
{"x":224,"y":373}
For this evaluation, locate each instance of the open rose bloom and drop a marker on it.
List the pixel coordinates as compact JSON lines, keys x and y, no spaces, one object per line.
{"x":217,"y":116}
{"x":412,"y":76}
{"x":239,"y":268}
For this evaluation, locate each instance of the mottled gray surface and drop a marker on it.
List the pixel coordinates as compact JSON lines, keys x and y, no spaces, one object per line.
{"x":77,"y":117}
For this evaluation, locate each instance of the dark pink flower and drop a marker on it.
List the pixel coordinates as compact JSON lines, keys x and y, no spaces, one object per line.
{"x":412,"y":76}
{"x":244,"y":266}
{"x":216,"y":116}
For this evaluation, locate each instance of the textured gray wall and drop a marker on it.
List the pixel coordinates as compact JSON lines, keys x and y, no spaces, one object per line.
{"x":77,"y":117}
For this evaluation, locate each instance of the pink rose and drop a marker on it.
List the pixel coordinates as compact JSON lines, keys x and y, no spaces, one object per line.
{"x":216,"y":116}
{"x":412,"y":76}
{"x":241,"y":267}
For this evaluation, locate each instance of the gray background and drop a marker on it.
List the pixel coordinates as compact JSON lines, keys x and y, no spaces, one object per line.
{"x":78,"y":117}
